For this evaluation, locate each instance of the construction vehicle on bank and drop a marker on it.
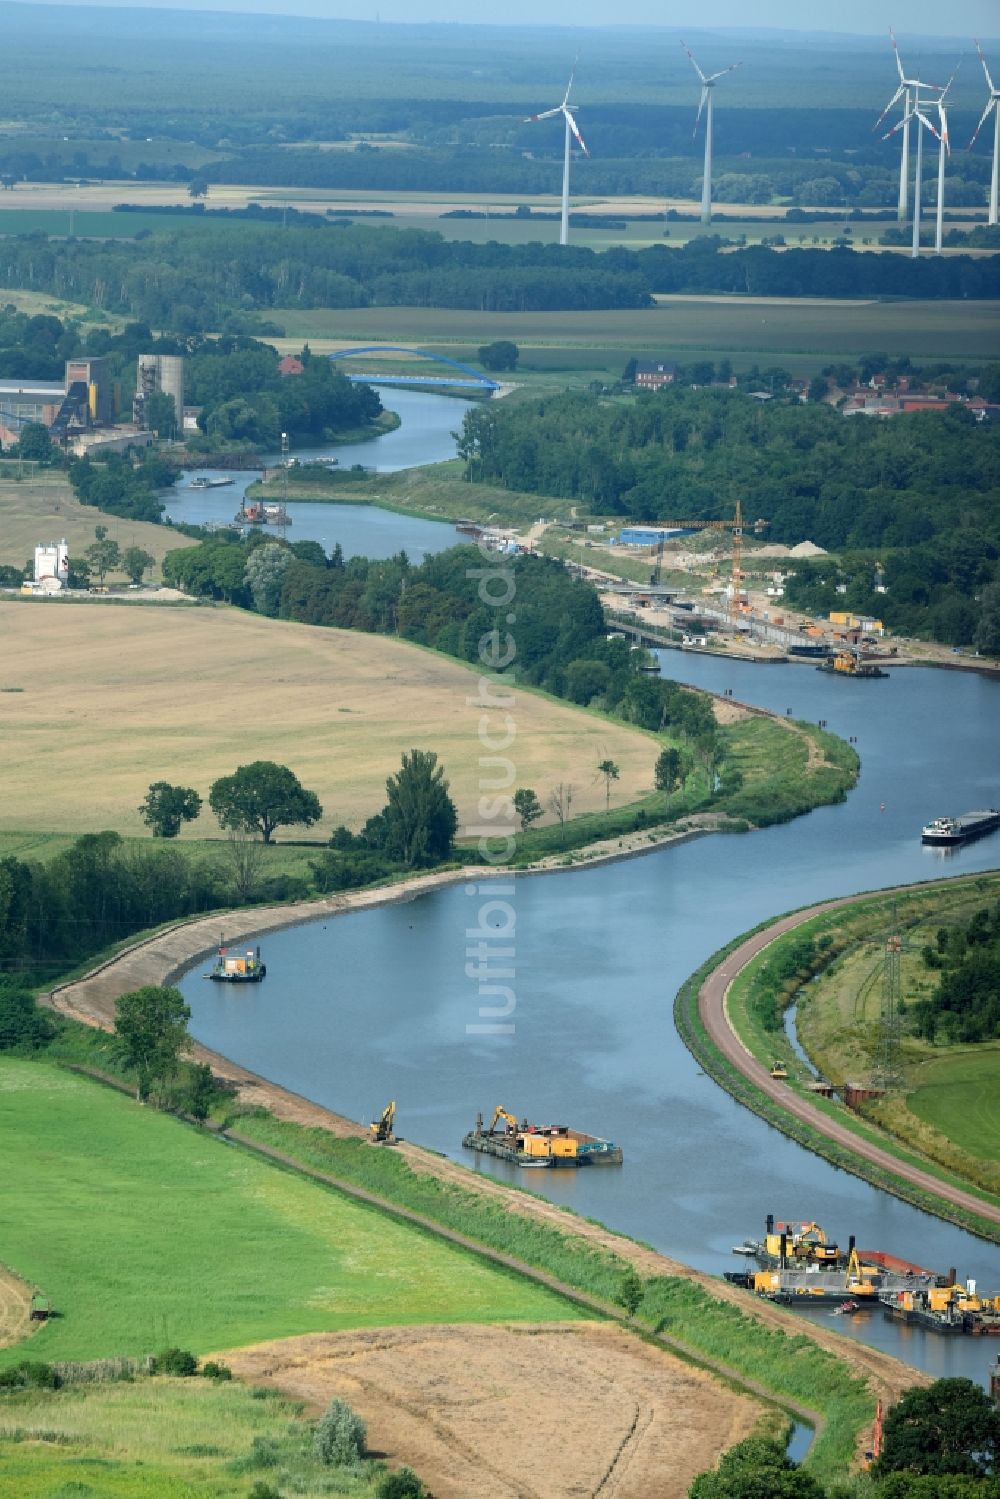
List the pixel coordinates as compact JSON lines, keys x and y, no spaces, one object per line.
{"x":381,"y":1130}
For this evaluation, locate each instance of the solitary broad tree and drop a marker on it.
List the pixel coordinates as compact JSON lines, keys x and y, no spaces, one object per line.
{"x":500,"y":355}
{"x":135,"y":562}
{"x":950,"y":1426}
{"x":609,"y":770}
{"x":756,"y":1468}
{"x":262,"y":796}
{"x":151,"y":1031}
{"x":419,"y":820}
{"x":527,"y":806}
{"x":35,"y":443}
{"x":265,"y":571}
{"x":103,"y":556}
{"x":667,"y":773}
{"x":165,"y":807}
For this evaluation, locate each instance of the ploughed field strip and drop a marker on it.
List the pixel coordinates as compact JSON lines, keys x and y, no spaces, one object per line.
{"x":534,"y":1412}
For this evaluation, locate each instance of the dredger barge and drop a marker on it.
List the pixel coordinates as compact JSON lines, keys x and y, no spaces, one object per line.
{"x":539,"y":1145}
{"x":799,"y":1264}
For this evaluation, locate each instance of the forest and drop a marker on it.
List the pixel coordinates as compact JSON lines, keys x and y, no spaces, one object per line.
{"x":215,"y":279}
{"x":911,"y":504}
{"x":966,"y":1004}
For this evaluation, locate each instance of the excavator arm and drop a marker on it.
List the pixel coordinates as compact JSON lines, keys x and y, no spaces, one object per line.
{"x":501,"y":1113}
{"x":381,"y":1130}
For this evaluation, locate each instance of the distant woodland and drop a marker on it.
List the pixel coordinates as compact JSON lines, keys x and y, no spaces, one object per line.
{"x":917,"y":496}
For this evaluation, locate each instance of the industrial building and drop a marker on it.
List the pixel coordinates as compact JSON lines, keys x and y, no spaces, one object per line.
{"x":163,"y":373}
{"x":26,"y":401}
{"x":51,"y":568}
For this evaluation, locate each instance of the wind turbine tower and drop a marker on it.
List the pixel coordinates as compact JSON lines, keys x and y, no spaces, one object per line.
{"x":908,"y":91}
{"x":993,"y":102}
{"x":944,"y":149}
{"x":572,"y":133}
{"x":707,"y":103}
{"x":923,"y":123}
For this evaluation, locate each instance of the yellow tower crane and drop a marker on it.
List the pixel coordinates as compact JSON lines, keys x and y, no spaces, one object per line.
{"x":737,"y":599}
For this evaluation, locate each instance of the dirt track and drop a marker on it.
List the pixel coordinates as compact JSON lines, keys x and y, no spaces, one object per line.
{"x":714,"y":1014}
{"x":517,"y":1412}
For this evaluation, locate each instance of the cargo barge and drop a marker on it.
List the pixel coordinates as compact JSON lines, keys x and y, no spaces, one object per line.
{"x":203,"y":483}
{"x":850,"y":664}
{"x":539,"y":1145}
{"x":949,"y":1309}
{"x":949,"y":832}
{"x":238,"y":968}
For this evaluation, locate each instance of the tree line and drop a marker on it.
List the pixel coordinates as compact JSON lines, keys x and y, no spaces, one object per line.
{"x":562,"y":638}
{"x":911,"y":504}
{"x":204,"y":280}
{"x":965,"y":1006}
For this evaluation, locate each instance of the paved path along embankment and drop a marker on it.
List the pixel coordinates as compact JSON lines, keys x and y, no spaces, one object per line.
{"x":714,"y":1015}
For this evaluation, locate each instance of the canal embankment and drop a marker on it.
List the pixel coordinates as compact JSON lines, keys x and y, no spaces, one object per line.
{"x":706,"y":1025}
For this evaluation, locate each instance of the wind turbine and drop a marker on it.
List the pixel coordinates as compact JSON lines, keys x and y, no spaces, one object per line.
{"x":571,"y":133}
{"x":944,"y":149}
{"x":707,"y":85}
{"x":992,"y":103}
{"x":916,"y":113}
{"x":908,"y":98}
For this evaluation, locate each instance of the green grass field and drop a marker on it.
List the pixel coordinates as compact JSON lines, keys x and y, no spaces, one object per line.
{"x":145,"y":1232}
{"x":802,"y":336}
{"x":159,"y":1439}
{"x":959,"y":1094}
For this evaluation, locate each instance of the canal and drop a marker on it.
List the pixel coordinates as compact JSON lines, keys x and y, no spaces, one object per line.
{"x":377,"y":1004}
{"x":426,"y":434}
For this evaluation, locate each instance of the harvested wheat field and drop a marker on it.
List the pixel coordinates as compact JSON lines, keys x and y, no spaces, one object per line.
{"x":99,"y":699}
{"x":15,"y":1306}
{"x":42,"y":510}
{"x":517,"y":1412}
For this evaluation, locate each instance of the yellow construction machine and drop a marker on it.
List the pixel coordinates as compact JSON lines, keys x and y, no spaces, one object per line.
{"x":381,"y":1130}
{"x":501,"y":1113}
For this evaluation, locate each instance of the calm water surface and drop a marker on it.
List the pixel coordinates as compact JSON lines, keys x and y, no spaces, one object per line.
{"x":426,"y":435}
{"x":375,"y":1005}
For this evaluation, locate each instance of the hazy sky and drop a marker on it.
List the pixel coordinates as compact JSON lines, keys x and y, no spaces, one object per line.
{"x":929,"y":17}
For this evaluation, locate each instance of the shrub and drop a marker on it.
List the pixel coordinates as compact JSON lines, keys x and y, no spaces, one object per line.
{"x":263,"y":1490}
{"x":22,"y":1024}
{"x":29,"y":1374}
{"x":403,"y":1484}
{"x":340,"y":1436}
{"x":212,"y":1370}
{"x":176,"y":1361}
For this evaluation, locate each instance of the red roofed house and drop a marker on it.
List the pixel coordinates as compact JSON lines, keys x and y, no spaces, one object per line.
{"x":290,"y":365}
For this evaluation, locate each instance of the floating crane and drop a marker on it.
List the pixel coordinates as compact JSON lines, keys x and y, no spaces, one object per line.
{"x":381,"y":1130}
{"x":737,"y":599}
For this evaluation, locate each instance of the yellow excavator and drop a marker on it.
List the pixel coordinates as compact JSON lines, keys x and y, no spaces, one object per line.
{"x":511,"y":1121}
{"x":381,"y":1130}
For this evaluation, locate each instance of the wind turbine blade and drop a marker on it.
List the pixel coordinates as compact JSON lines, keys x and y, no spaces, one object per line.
{"x":569,"y":86}
{"x":573,"y":126}
{"x":701,"y":106}
{"x":731,"y":69}
{"x":545,"y":115}
{"x":895,"y":49}
{"x":927,"y":124}
{"x":898,"y":94}
{"x":982,"y":122}
{"x":690,"y":54}
{"x":898,"y":125}
{"x":982,"y":59}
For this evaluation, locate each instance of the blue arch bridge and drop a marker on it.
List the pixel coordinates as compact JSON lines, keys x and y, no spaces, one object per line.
{"x":467,"y":378}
